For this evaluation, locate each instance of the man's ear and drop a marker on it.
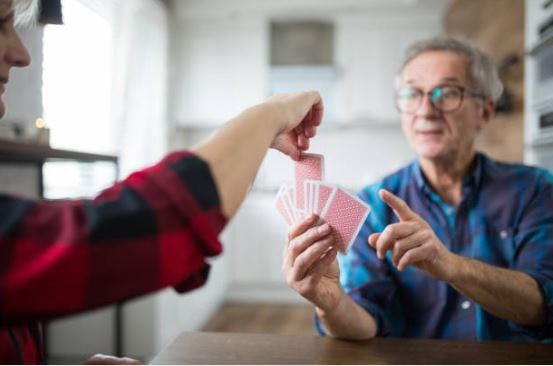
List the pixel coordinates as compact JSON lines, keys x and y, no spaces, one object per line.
{"x":487,"y":112}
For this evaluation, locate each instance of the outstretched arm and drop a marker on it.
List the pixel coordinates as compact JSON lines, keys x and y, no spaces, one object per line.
{"x":151,"y":230}
{"x":284,"y":122}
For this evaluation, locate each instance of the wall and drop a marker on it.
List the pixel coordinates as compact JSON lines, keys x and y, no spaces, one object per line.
{"x":500,"y":31}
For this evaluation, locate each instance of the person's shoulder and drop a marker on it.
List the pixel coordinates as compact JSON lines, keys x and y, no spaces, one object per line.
{"x":519,"y":172}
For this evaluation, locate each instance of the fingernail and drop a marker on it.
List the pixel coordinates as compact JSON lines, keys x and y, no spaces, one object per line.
{"x":324,"y":228}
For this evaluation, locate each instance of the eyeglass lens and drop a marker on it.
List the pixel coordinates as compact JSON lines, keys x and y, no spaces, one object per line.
{"x":444,"y":98}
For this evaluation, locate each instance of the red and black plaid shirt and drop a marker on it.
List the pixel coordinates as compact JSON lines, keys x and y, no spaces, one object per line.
{"x":152,"y":230}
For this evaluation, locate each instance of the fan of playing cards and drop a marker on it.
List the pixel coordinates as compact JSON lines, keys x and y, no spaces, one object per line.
{"x":310,"y":194}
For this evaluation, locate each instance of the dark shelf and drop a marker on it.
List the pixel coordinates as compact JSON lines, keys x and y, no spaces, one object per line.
{"x":27,"y":152}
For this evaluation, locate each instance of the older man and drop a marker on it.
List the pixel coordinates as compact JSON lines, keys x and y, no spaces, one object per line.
{"x":458,"y":245}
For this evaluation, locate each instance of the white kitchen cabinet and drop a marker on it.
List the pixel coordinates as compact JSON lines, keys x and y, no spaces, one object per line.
{"x":220,"y":68}
{"x":221,"y":56}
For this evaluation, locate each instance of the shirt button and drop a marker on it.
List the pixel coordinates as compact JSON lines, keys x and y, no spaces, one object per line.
{"x":465,"y":305}
{"x":503,"y":234}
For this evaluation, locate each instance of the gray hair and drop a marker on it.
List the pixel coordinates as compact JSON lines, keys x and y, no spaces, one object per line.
{"x":482,"y":70}
{"x":25,"y":11}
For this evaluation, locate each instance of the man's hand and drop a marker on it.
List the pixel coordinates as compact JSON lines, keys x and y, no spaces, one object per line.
{"x":300,"y":114}
{"x":413,"y":242}
{"x":309,"y":263}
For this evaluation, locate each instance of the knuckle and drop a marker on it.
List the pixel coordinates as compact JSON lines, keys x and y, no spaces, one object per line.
{"x":302,"y":289}
{"x":290,"y":236}
{"x":294,"y":246}
{"x":301,"y":262}
{"x":313,"y":232}
{"x":320,"y":245}
{"x":329,"y":241}
{"x":389,"y":230}
{"x":289,"y":280}
{"x":310,"y":283}
{"x":292,"y":277}
{"x":427,"y":235}
{"x":399,"y":243}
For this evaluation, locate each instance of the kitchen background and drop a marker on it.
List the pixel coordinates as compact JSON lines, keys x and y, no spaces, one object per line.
{"x":136,"y":79}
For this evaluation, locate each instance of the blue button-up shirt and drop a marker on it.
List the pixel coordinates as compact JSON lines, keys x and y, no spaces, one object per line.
{"x":505,"y":219}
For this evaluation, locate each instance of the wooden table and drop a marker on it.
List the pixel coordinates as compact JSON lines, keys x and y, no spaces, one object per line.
{"x":240,"y":348}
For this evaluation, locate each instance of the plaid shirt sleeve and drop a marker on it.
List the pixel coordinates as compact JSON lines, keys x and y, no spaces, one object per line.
{"x":152,"y":230}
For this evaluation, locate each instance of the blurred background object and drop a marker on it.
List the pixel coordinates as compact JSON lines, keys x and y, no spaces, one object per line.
{"x":498,"y":28}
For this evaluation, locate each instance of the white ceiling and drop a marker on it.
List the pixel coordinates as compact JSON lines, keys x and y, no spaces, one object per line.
{"x":186,"y":9}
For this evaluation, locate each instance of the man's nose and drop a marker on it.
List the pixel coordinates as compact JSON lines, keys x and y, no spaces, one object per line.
{"x":427,"y":107}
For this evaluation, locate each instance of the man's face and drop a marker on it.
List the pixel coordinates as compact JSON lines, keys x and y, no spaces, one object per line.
{"x":12,"y":51}
{"x":433,"y":133}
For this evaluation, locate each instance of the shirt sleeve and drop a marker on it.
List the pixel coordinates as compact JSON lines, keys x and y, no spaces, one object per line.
{"x":534,"y":252}
{"x":364,"y":277}
{"x":152,"y":230}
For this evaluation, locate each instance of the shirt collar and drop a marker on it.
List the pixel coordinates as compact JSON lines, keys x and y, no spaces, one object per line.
{"x":471,"y":182}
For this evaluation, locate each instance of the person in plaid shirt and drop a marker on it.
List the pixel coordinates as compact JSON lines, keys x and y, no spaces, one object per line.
{"x":152,"y":230}
{"x":457,"y":245}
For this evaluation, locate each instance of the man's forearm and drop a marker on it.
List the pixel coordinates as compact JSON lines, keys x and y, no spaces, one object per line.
{"x":507,"y":294}
{"x":236,"y":151}
{"x":348,"y":320}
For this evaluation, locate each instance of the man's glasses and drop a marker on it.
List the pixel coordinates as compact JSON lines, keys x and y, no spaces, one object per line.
{"x":446,"y":98}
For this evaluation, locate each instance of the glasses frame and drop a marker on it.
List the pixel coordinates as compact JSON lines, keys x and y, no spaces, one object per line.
{"x":473,"y":93}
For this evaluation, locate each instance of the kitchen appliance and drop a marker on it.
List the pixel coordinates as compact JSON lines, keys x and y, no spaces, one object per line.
{"x":539,"y":83}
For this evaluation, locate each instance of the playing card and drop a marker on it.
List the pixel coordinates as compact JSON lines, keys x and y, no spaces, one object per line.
{"x":346,"y":214}
{"x":310,"y":166}
{"x":288,"y":195}
{"x":282,"y":206}
{"x":310,"y":191}
{"x":313,"y":195}
{"x":323,"y":194}
{"x":307,"y":196}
